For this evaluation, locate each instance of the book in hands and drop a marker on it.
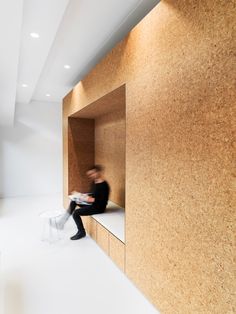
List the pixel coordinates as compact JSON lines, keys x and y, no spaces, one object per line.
{"x":76,"y":197}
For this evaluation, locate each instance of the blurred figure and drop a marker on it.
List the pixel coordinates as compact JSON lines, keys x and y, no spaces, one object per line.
{"x":92,"y":203}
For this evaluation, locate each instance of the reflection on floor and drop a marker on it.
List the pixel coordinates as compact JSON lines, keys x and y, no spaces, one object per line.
{"x":65,"y":277}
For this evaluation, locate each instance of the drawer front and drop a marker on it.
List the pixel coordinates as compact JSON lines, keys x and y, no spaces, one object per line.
{"x":90,"y":226}
{"x":117,"y":251}
{"x":103,"y":238}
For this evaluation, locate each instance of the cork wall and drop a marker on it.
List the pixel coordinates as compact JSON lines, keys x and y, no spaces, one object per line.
{"x":110,"y":152}
{"x":178,"y":65}
{"x":80,"y":153}
{"x":96,"y":134}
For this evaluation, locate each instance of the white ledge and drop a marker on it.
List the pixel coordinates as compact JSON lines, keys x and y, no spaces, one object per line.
{"x":113,"y":220}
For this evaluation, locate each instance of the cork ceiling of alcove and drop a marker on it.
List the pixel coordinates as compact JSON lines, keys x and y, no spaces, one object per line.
{"x":113,"y":101}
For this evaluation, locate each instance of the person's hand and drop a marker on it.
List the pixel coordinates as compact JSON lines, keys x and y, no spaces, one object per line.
{"x":84,"y":197}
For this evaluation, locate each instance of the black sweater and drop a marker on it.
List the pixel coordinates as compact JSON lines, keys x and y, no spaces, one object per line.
{"x":100,"y":191}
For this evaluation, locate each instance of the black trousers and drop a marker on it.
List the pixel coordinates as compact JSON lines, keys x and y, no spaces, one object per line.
{"x":83,"y":210}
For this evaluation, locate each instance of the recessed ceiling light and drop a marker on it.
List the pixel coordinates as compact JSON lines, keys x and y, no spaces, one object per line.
{"x":67,"y":66}
{"x":34,"y":35}
{"x":48,"y":95}
{"x":24,"y":85}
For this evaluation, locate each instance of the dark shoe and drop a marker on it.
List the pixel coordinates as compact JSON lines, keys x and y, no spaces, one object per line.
{"x":78,"y":235}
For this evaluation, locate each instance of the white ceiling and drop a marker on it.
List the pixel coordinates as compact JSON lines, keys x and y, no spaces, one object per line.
{"x":10,"y":32}
{"x":74,"y":32}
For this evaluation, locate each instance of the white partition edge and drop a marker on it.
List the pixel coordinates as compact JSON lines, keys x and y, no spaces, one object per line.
{"x":1,"y":286}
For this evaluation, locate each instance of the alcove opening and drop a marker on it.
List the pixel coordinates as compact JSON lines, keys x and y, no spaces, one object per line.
{"x":97,"y":135}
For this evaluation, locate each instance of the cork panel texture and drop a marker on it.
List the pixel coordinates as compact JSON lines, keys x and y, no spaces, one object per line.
{"x":85,"y":220}
{"x":66,"y":105}
{"x":103,"y":238}
{"x":178,"y":65}
{"x":112,"y":101}
{"x":180,"y":246}
{"x":91,"y":227}
{"x":117,"y":251}
{"x":80,"y":153}
{"x":110,"y":152}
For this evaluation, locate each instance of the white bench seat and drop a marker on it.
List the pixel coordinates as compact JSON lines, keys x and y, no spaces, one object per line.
{"x":113,"y":220}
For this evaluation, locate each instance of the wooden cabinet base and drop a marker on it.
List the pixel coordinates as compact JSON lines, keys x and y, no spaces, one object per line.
{"x":113,"y":247}
{"x":117,"y":251}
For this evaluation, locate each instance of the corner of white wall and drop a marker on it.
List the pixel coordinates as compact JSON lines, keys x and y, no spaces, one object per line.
{"x":31,"y":151}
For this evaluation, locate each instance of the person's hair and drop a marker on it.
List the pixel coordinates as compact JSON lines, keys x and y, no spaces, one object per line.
{"x":97,"y":168}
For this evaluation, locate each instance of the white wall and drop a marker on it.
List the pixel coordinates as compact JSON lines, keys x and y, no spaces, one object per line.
{"x":31,"y":151}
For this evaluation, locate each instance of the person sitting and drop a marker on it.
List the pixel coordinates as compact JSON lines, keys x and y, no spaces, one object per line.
{"x":96,"y":200}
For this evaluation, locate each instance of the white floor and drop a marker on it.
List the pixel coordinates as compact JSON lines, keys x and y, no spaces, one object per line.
{"x":66,"y":277}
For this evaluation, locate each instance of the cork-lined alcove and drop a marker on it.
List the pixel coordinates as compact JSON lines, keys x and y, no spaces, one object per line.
{"x":178,"y":66}
{"x":97,"y":135}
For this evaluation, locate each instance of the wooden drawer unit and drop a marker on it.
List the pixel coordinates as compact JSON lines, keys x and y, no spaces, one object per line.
{"x":91,"y":227}
{"x":85,"y":221}
{"x":103,"y":238}
{"x":117,"y":251}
